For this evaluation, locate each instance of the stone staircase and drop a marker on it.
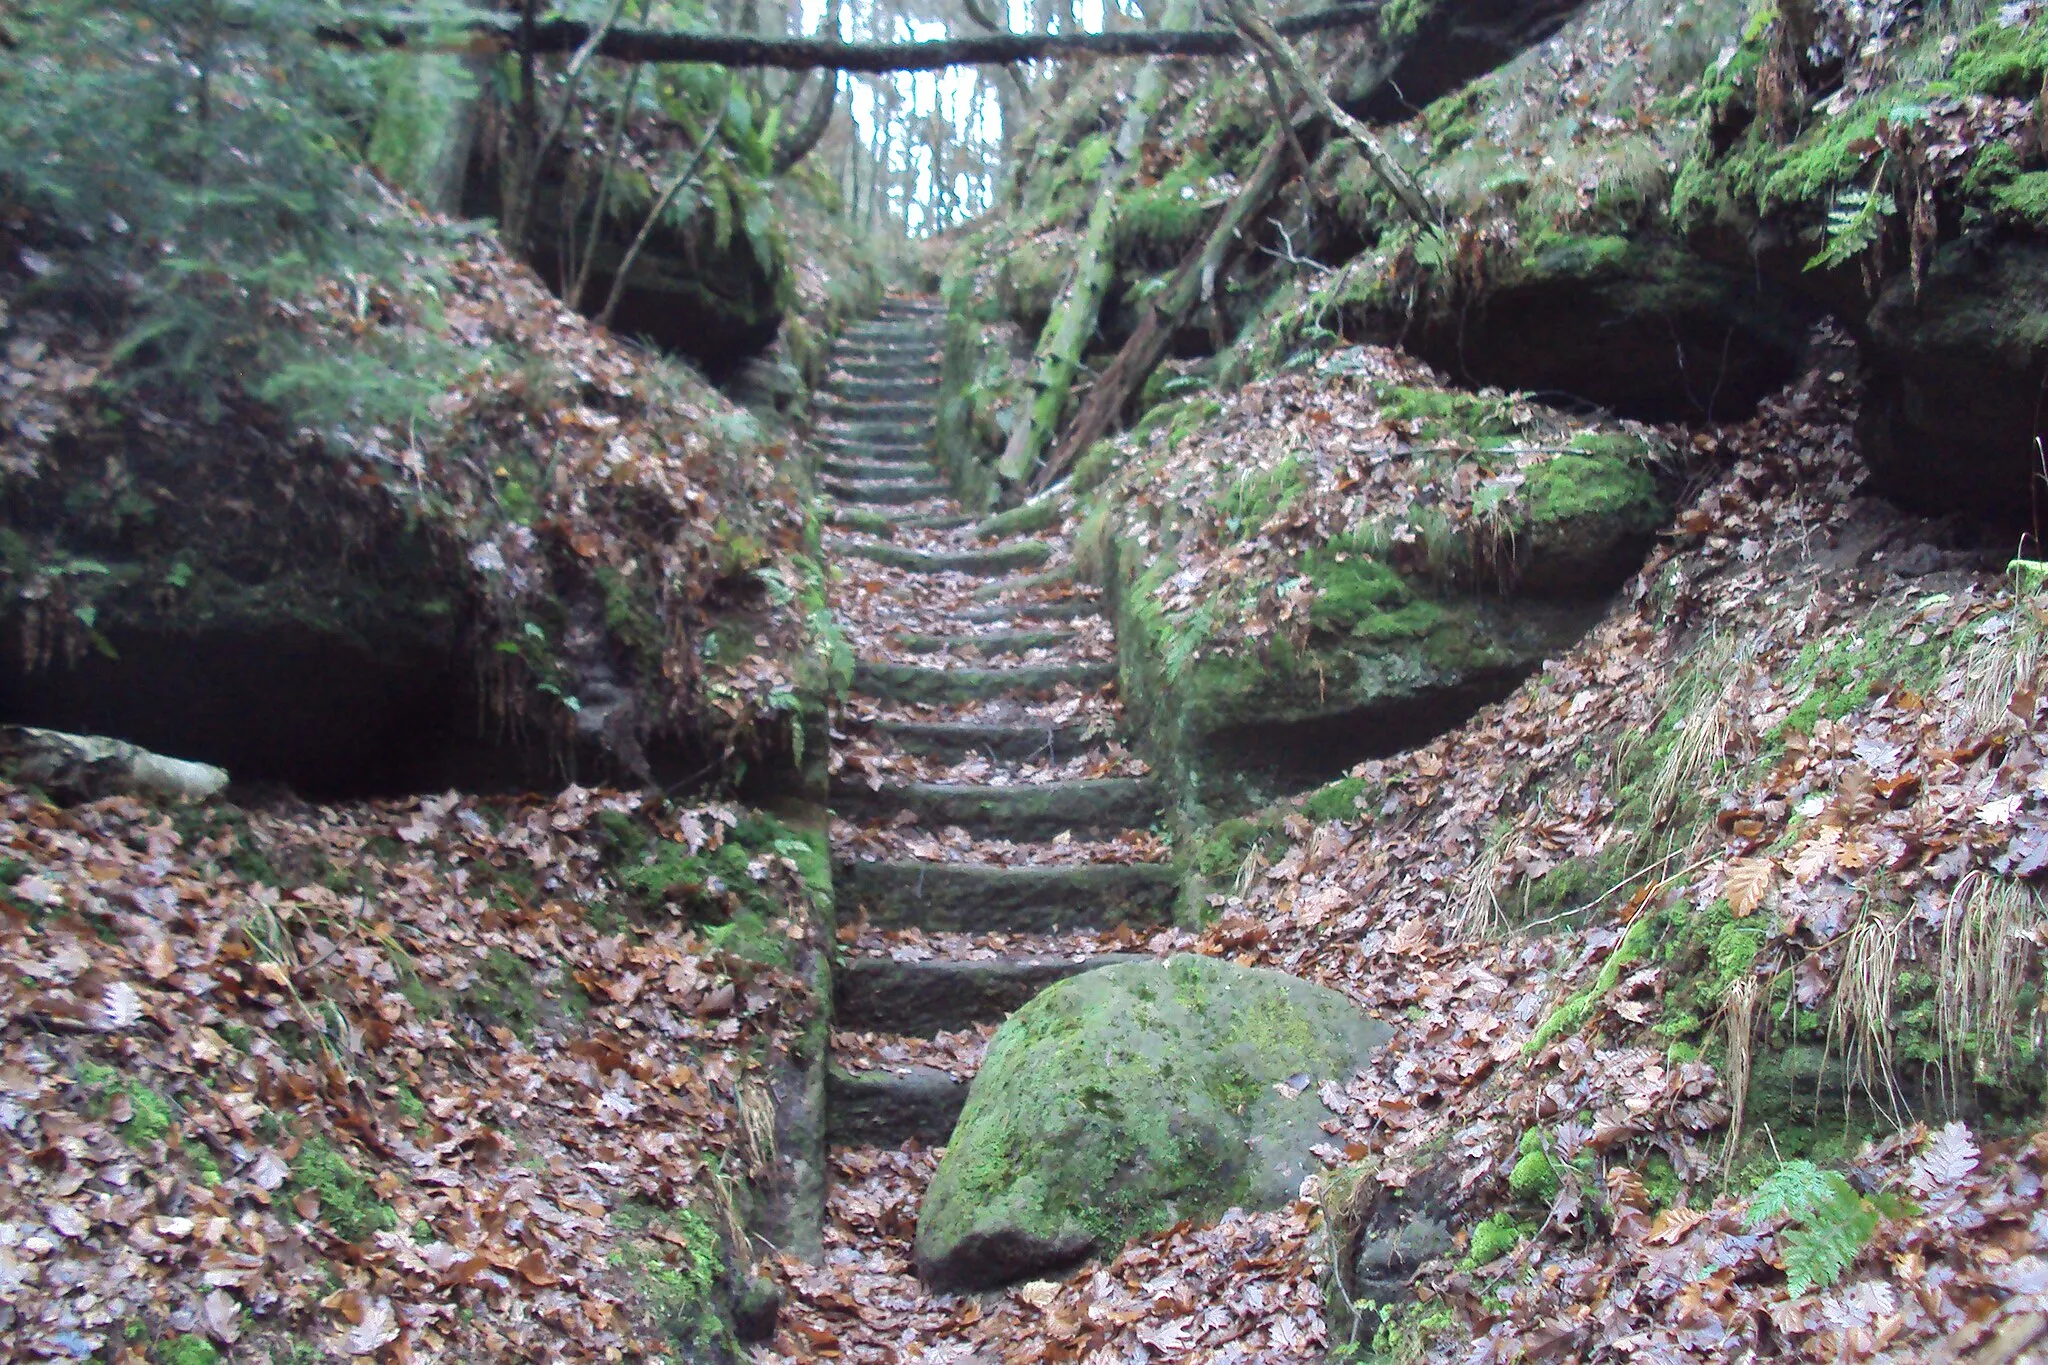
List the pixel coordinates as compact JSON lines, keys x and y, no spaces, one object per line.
{"x":989,"y":835}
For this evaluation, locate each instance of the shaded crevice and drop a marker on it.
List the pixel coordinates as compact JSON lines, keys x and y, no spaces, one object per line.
{"x":1272,"y":759}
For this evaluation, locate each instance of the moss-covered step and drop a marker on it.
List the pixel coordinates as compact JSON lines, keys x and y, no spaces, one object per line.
{"x":1024,"y":810}
{"x":996,"y":559}
{"x":887,"y":352}
{"x":960,"y":739}
{"x":907,"y":410}
{"x":863,"y":389}
{"x":891,"y":433}
{"x":1124,"y":1100}
{"x":993,"y":643}
{"x":988,"y":898}
{"x":919,"y":367}
{"x":840,"y":467}
{"x":876,"y":452}
{"x":882,"y":1109}
{"x":884,"y":492}
{"x":927,"y":998}
{"x":916,"y":683}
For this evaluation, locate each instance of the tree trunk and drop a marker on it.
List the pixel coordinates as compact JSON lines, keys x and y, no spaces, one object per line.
{"x":1164,"y":313}
{"x":1074,"y":317}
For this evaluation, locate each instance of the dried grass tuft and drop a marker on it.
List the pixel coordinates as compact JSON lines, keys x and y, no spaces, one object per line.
{"x":1739,"y":1006}
{"x":1862,"y":1013}
{"x":1989,"y":942}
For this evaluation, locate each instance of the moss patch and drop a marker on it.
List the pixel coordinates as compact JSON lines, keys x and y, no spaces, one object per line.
{"x":347,"y":1203}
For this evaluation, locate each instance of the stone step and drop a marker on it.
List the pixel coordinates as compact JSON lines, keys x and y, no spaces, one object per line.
{"x":906,"y":411}
{"x":1061,"y":577}
{"x":1065,"y":609}
{"x":928,"y":998}
{"x":878,"y":469}
{"x":901,"y":347}
{"x":890,"y":327}
{"x":898,"y":434}
{"x":882,"y":1109}
{"x":995,"y":643}
{"x":981,"y":898}
{"x":1021,"y":554}
{"x":1022,"y":810}
{"x":916,"y":683}
{"x":888,"y":390}
{"x":958,"y":739}
{"x":909,"y":367}
{"x":870,"y":521}
{"x":884,"y":492}
{"x":878,"y":452}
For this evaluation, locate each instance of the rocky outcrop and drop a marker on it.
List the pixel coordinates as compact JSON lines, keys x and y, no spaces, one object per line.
{"x":1124,"y":1100}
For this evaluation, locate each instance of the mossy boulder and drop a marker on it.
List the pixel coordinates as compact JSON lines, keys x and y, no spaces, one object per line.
{"x":1122,"y":1101}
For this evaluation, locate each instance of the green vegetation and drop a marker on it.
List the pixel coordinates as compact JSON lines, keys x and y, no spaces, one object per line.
{"x":1494,"y":1237}
{"x":680,"y":1275}
{"x":347,"y":1203}
{"x":1534,"y":1178}
{"x":187,"y":1350}
{"x":1830,"y":1223}
{"x":150,"y":1114}
{"x":1572,"y":1015}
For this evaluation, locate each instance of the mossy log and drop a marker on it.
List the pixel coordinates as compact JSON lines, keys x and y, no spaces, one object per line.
{"x":1080,"y":305}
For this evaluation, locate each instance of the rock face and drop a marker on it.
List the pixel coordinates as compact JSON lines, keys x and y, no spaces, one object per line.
{"x":1124,"y":1100}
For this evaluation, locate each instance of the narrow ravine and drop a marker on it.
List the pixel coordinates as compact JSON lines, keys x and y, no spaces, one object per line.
{"x":991,"y":831}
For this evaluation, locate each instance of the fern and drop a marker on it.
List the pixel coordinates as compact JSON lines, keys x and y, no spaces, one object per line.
{"x":1829,"y":1223}
{"x":1855,"y":224}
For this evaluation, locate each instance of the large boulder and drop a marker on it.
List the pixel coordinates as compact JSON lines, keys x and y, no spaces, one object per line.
{"x":1124,"y":1100}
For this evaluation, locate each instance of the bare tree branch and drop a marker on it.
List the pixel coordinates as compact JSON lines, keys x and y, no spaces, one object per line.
{"x":499,"y":33}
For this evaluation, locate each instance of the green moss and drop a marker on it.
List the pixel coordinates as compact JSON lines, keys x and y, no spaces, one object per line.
{"x":1449,"y":414}
{"x":749,"y":936}
{"x":1494,"y":1237}
{"x":1996,"y":60}
{"x":1363,"y":598}
{"x":202,"y":1160}
{"x":1335,"y":801}
{"x":1534,"y":1178}
{"x":187,"y":1350}
{"x":150,"y":1114}
{"x":504,"y":993}
{"x":347,"y":1203}
{"x":630,"y":614}
{"x":1571,"y":488}
{"x":1572,"y":1015}
{"x":2025,"y":197}
{"x":678,"y":1274}
{"x":1405,"y":1332}
{"x":1223,"y":852}
{"x":1171,"y":212}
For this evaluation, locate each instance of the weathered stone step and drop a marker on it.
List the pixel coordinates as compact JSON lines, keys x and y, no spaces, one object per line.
{"x":882,"y":1109}
{"x":1052,"y":578}
{"x":899,"y":347}
{"x":927,"y":998}
{"x":887,"y":390}
{"x":878,"y":469}
{"x":958,"y":739}
{"x":884,"y":433}
{"x":1024,"y":810}
{"x":910,"y":366}
{"x":1065,"y":609}
{"x":880,"y":452}
{"x":873,"y":522}
{"x":984,"y":898}
{"x":1021,"y":554}
{"x":914,"y":412}
{"x":916,"y":683}
{"x":884,"y":492}
{"x":893,"y":327}
{"x":996,"y":642}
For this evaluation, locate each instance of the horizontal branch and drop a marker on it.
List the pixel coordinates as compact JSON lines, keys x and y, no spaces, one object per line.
{"x":501,"y":32}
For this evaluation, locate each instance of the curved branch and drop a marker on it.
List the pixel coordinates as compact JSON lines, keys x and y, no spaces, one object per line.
{"x":799,"y":143}
{"x":497,"y":32}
